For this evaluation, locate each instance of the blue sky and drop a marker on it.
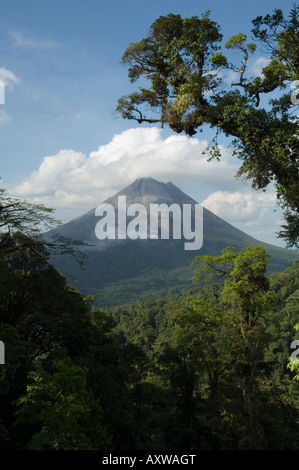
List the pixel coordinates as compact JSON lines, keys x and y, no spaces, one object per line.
{"x":59,"y":141}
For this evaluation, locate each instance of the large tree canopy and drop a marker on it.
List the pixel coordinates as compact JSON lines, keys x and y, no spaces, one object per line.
{"x":30,"y":222}
{"x":183,"y":63}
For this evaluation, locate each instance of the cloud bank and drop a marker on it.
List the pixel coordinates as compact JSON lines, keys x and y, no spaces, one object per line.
{"x":73,"y":180}
{"x":71,"y":177}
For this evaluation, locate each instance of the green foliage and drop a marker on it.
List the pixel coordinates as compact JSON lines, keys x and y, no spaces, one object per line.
{"x":181,"y":58}
{"x":221,"y":355}
{"x":59,"y":404}
{"x":175,"y":58}
{"x":35,"y":299}
{"x":17,"y":215}
{"x":205,"y":369}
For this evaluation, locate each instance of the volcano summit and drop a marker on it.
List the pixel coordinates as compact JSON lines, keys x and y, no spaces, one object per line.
{"x":128,"y":269}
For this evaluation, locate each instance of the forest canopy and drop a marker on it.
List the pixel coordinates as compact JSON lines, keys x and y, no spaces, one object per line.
{"x":183,"y":62}
{"x":204,"y":370}
{"x":207,"y":369}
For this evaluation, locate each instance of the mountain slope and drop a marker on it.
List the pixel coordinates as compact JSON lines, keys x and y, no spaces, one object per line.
{"x":120,"y":271}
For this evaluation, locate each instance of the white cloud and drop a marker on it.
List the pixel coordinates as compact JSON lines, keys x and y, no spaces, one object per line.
{"x":233,"y":205}
{"x":256,"y":65}
{"x":20,"y":40}
{"x":253,"y":212}
{"x":71,"y":178}
{"x":242,"y":205}
{"x":53,"y":176}
{"x":7,"y":77}
{"x":254,"y":69}
{"x":74,"y":183}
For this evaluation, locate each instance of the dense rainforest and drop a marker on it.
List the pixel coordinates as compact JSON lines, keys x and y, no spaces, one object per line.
{"x":212,"y":369}
{"x":207,"y":370}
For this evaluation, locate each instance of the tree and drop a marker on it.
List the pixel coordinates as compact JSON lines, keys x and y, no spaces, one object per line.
{"x":41,"y":317}
{"x":181,"y":59}
{"x":30,"y":221}
{"x":63,"y":411}
{"x":34,"y":297}
{"x":13,"y":376}
{"x":247,"y":307}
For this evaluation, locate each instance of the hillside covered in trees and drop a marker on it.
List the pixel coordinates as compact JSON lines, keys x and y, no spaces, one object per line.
{"x":204,"y":371}
{"x":123,"y":271}
{"x":210,"y":369}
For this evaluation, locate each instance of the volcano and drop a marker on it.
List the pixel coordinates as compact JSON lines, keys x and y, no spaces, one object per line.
{"x":118,"y":271}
